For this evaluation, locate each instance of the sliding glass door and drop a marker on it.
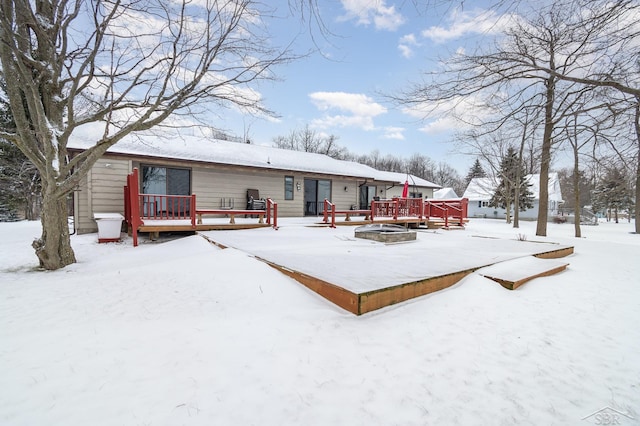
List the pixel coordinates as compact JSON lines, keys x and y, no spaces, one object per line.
{"x":158,"y":180}
{"x":315,"y":192}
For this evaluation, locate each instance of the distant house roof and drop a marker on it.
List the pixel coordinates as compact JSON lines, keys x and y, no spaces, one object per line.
{"x":480,"y":189}
{"x":192,"y":148}
{"x":400,"y":178}
{"x":483,"y":188}
{"x":445,"y":194}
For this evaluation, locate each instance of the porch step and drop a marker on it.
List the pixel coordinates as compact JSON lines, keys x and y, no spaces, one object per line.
{"x":439,"y":224}
{"x":511,"y":274}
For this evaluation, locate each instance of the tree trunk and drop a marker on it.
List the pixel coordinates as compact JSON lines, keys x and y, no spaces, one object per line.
{"x":545,"y":161}
{"x":637,"y":203}
{"x":576,"y":192}
{"x":53,"y":248}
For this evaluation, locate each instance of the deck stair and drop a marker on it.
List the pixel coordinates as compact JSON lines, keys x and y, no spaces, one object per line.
{"x":511,"y":274}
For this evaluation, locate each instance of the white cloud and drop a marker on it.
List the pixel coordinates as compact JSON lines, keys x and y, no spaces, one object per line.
{"x":405,"y":45}
{"x":366,"y":12}
{"x":360,"y":110}
{"x":476,"y":21}
{"x":330,"y":121}
{"x":440,"y":125}
{"x":356,"y":103}
{"x":454,"y":114}
{"x":394,"y":133}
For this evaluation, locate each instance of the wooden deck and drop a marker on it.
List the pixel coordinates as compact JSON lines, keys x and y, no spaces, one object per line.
{"x":362,"y":303}
{"x":511,"y":274}
{"x":411,"y":222}
{"x":361,"y":276}
{"x":154,"y":228}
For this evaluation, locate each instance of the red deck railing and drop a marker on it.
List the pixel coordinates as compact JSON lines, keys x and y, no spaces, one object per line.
{"x":455,"y":210}
{"x":140,"y":207}
{"x":399,"y":208}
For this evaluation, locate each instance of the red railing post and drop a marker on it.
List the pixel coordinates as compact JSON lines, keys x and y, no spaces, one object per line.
{"x":134,"y":203}
{"x":396,"y":207}
{"x":465,"y":208}
{"x":275,"y":215}
{"x":192,"y":211}
{"x":446,"y":218}
{"x":272,"y":205}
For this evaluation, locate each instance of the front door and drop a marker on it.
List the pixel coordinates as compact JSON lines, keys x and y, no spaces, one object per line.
{"x":315,"y":192}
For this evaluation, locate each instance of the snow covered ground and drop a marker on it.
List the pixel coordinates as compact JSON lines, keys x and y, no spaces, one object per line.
{"x":184,"y":333}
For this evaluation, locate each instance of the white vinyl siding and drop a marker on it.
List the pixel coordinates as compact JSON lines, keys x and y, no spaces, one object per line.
{"x":101,"y":192}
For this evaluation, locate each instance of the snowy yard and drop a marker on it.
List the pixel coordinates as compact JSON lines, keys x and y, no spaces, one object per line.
{"x":184,"y":333}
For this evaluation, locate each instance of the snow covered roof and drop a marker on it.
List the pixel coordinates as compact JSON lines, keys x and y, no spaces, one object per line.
{"x":194,"y":148}
{"x":480,"y":189}
{"x":400,"y":178}
{"x":483,"y":188}
{"x":445,"y":194}
{"x":554,"y":186}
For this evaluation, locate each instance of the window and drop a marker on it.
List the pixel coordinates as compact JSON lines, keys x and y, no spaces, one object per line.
{"x":158,"y":180}
{"x":166,"y":180}
{"x":288,"y":187}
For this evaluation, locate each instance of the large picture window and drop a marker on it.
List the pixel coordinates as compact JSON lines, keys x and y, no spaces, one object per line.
{"x":166,"y":180}
{"x":288,"y":187}
{"x":159,"y":180}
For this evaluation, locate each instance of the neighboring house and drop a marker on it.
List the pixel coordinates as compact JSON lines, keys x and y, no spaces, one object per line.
{"x":220,"y":173}
{"x":480,"y":191}
{"x":445,"y":194}
{"x":418,"y":187}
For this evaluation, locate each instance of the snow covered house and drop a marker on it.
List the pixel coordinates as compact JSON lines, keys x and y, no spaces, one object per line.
{"x":480,"y":191}
{"x":220,"y":173}
{"x":445,"y":194}
{"x":418,"y":187}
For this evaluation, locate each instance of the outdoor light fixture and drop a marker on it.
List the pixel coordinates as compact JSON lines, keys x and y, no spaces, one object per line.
{"x":298,"y":186}
{"x":346,"y":188}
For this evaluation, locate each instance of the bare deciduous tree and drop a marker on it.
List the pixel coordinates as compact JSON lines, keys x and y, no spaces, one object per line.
{"x":545,"y":60}
{"x":128,"y":66}
{"x":308,"y":140}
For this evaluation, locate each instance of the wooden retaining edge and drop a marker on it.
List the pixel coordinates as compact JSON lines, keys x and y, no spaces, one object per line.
{"x":512,"y":285}
{"x":215,"y":243}
{"x":344,"y":298}
{"x":555,"y":254}
{"x":376,"y":299}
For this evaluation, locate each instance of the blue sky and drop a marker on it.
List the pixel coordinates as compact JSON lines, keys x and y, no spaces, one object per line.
{"x":376,"y":46}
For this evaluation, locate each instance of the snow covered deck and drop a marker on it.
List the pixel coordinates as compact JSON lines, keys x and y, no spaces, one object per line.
{"x":363,"y":275}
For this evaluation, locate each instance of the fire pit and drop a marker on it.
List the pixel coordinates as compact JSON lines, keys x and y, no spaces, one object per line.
{"x":385,"y":233}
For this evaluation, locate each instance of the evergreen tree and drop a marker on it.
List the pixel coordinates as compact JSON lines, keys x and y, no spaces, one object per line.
{"x":566,"y":177}
{"x":19,"y":179}
{"x":512,"y":184}
{"x":476,"y":171}
{"x":612,"y":195}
